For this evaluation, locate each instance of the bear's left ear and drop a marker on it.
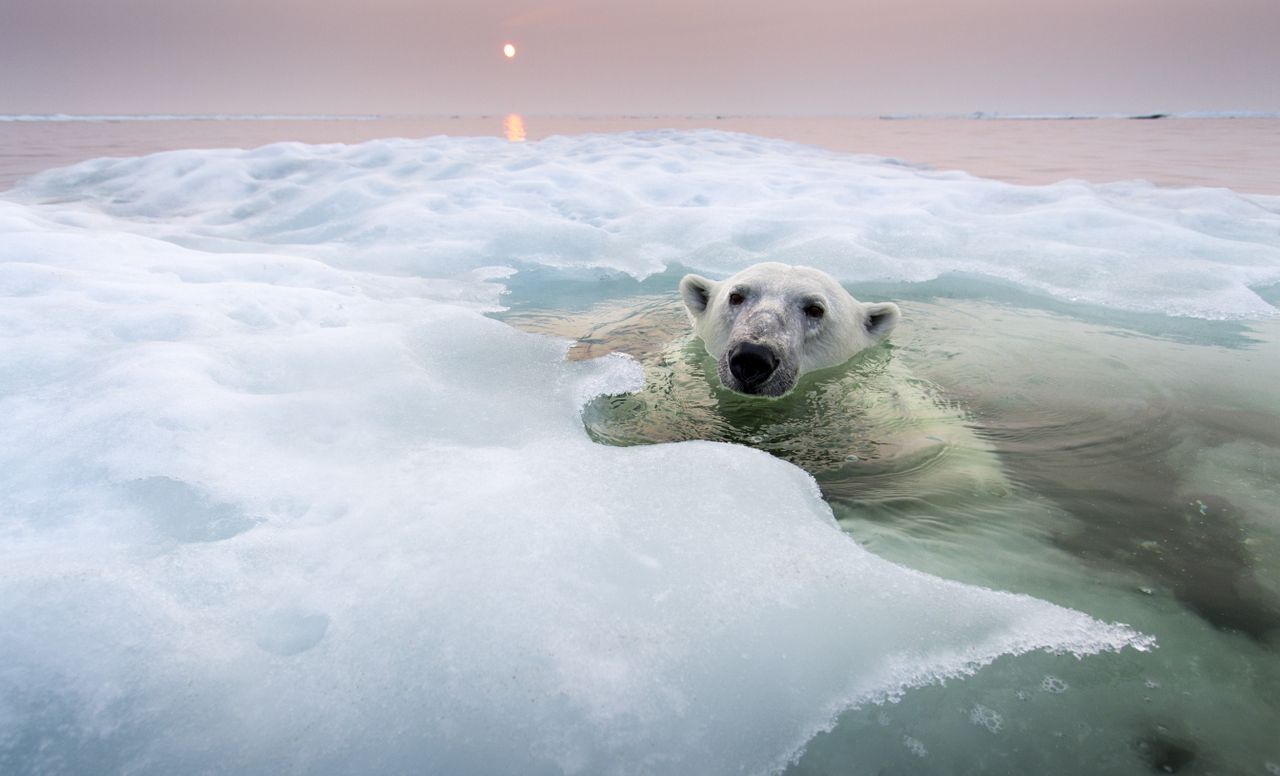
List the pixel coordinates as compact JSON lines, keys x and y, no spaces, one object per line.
{"x":696,"y":292}
{"x":880,"y":318}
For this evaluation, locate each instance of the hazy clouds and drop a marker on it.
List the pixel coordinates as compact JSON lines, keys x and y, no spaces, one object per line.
{"x":751,"y":56}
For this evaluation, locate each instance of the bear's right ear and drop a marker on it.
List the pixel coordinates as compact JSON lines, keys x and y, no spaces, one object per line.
{"x":880,"y":319}
{"x":696,"y":292}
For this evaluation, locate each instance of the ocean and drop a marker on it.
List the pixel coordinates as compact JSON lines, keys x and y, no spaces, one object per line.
{"x":1242,"y":154}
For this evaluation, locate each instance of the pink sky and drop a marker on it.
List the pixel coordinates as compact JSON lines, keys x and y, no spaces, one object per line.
{"x":661,"y":57}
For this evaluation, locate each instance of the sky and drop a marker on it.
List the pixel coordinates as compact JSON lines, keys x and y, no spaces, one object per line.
{"x":665,"y":57}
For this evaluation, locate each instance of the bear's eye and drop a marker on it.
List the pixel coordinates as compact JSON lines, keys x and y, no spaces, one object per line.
{"x":736,"y":299}
{"x":814,"y":311}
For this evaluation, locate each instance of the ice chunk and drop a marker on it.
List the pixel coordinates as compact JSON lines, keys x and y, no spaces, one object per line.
{"x":714,"y":201}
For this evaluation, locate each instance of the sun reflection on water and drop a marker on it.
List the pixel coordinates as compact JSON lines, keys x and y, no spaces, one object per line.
{"x":513,"y":127}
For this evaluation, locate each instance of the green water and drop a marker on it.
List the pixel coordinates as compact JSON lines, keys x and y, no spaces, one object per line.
{"x":1124,"y":465}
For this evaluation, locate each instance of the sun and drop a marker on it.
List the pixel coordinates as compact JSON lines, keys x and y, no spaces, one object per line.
{"x":509,"y":51}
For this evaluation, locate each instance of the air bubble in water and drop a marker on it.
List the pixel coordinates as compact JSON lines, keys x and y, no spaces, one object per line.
{"x":1053,"y":684}
{"x":988,"y":718}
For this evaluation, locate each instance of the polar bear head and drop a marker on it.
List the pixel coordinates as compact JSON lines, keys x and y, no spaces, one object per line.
{"x":771,"y":323}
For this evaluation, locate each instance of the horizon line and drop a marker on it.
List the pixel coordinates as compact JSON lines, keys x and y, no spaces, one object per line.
{"x":971,"y":115}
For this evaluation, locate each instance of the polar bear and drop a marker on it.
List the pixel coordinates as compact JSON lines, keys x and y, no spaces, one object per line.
{"x":772,"y":322}
{"x":872,"y":428}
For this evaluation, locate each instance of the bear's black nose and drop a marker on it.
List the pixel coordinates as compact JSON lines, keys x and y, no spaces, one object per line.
{"x":752,"y":364}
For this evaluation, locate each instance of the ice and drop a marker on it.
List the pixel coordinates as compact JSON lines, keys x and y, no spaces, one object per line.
{"x":276,"y":495}
{"x":711,"y":200}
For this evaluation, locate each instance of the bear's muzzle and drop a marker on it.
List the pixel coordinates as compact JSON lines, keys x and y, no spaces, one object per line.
{"x":752,"y":365}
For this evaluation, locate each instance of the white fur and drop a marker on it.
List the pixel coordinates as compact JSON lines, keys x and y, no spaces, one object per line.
{"x":772,"y":315}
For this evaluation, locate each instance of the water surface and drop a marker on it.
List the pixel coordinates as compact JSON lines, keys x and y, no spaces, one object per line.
{"x":1125,"y":472}
{"x":1240,"y":153}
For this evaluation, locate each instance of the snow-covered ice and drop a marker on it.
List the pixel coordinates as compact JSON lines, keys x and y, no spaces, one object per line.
{"x":715,"y":201}
{"x":275,"y":493}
